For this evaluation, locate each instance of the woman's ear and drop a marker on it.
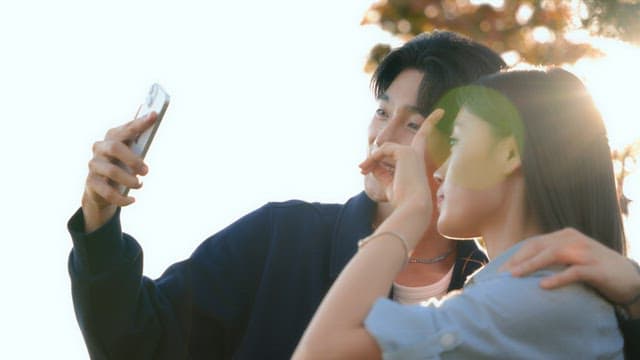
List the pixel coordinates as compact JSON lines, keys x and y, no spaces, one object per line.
{"x":510,"y":155}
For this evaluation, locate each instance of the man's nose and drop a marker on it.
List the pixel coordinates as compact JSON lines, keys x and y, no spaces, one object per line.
{"x":388,"y":133}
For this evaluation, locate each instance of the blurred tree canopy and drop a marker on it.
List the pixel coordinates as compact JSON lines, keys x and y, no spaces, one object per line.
{"x":533,"y":31}
{"x":541,"y":32}
{"x":614,"y":18}
{"x":626,"y":158}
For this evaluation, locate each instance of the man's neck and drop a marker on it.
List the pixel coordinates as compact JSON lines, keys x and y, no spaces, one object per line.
{"x":431,"y":246}
{"x":383,"y":210}
{"x":432,"y":243}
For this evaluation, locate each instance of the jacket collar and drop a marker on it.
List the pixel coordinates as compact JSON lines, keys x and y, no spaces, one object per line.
{"x":353,"y":223}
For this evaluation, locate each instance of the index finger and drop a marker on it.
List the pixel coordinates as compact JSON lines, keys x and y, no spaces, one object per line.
{"x":419,"y":141}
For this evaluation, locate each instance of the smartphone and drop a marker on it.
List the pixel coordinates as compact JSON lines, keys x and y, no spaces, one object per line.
{"x":157,"y":101}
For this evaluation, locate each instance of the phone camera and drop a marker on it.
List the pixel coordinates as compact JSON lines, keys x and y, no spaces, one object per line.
{"x":152,"y":95}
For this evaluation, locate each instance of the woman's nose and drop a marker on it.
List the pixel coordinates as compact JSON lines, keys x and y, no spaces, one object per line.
{"x":441,"y":172}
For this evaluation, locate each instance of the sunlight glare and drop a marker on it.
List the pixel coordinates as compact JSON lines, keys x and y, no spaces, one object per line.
{"x":524,"y":13}
{"x":542,"y":34}
{"x":613,"y":80}
{"x":498,"y":4}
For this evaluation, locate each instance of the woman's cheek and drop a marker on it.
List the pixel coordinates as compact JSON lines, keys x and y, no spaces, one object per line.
{"x":460,"y":213}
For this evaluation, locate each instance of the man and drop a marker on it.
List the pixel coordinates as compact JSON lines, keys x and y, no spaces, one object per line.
{"x":250,"y":290}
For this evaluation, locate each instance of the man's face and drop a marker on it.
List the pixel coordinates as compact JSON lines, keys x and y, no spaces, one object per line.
{"x":397,"y":119}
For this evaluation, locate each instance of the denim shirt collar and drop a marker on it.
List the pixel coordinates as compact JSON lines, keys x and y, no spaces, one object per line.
{"x":491,"y":269}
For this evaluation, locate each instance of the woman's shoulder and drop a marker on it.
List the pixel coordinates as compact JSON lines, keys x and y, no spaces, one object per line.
{"x":522,"y":299}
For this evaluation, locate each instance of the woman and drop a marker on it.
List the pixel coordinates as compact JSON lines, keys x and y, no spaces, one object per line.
{"x":529,"y":156}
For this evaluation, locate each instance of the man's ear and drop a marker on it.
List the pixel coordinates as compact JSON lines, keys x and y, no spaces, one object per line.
{"x":509,"y":153}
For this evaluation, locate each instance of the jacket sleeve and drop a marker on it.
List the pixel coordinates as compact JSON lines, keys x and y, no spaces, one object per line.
{"x":631,"y":332}
{"x":198,"y":306}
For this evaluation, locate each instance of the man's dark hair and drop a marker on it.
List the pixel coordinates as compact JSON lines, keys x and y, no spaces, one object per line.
{"x":566,"y":158}
{"x":448,"y":60}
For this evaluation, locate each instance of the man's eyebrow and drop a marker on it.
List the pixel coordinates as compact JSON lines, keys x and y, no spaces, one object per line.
{"x":412,"y":108}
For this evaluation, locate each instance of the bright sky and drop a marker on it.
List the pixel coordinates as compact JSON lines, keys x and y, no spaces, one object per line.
{"x":269,"y":103}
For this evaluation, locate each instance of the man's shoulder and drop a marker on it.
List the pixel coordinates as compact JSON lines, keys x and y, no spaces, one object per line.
{"x":301,"y":212}
{"x":296,"y":205}
{"x":296,"y":208}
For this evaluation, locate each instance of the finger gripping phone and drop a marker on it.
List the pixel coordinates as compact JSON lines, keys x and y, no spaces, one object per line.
{"x":157,"y":101}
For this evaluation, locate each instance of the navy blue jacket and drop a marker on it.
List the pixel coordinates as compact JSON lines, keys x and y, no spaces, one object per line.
{"x":247,"y":292}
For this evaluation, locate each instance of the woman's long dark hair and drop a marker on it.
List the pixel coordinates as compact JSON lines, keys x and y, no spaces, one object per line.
{"x":566,"y":159}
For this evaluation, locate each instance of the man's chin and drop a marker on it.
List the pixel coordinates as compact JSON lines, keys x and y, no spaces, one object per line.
{"x":374,"y":190}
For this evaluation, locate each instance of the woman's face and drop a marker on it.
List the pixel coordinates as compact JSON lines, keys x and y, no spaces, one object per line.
{"x":472,"y":188}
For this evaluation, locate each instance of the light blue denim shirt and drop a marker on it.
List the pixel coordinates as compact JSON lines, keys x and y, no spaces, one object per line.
{"x":497,"y":316}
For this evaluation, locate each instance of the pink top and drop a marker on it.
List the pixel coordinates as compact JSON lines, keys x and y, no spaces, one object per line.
{"x":417,"y":294}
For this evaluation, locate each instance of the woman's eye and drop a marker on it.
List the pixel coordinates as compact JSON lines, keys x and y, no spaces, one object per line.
{"x":452,"y":141}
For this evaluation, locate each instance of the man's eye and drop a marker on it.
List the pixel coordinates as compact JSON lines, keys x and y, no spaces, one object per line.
{"x":413,"y":126}
{"x":381,"y":113}
{"x":452,"y":141}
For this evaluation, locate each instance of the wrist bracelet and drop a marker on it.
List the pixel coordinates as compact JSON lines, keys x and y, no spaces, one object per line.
{"x":404,"y":242}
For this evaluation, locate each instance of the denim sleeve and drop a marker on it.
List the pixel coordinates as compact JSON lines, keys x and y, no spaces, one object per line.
{"x":503,"y":317}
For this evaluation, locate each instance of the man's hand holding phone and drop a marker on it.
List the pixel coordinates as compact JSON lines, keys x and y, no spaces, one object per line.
{"x":102,"y":194}
{"x":118,"y":161}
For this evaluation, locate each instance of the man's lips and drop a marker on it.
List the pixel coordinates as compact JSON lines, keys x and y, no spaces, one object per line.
{"x":387,"y":166}
{"x":439,"y":198}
